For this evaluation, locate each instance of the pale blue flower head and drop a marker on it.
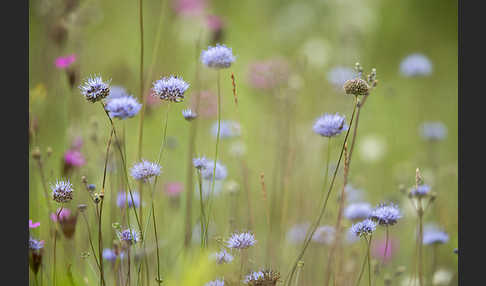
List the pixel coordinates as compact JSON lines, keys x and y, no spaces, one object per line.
{"x":95,"y":89}
{"x":324,"y":234}
{"x":433,"y":131}
{"x":35,"y":244}
{"x":296,"y":234}
{"x":199,"y":162}
{"x":363,"y":228}
{"x":357,"y":211}
{"x":434,"y":235}
{"x":145,"y":170}
{"x":228,"y":129}
{"x":207,"y":171}
{"x":416,"y":65}
{"x":189,"y":114}
{"x":222,"y":257}
{"x":62,"y":191}
{"x":241,"y":240}
{"x":330,"y":125}
{"x":337,"y":76}
{"x":420,"y":191}
{"x":109,"y":254}
{"x":254,"y":276}
{"x":218,"y":57}
{"x":121,"y":200}
{"x":117,"y":91}
{"x":170,"y":88}
{"x":123,"y":107}
{"x":386,"y":214}
{"x":215,"y":283}
{"x":129,"y":236}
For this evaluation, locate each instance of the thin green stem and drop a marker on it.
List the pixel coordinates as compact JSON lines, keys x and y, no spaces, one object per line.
{"x":386,"y":245}
{"x":365,"y":260}
{"x":203,"y":215}
{"x":159,"y":280}
{"x":369,"y":262}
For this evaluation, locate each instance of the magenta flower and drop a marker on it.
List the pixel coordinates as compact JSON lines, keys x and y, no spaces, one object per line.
{"x":190,"y":7}
{"x":63,"y":215}
{"x":215,"y":23}
{"x":65,"y":62}
{"x":173,"y":189}
{"x":208,"y":104}
{"x":378,"y":249}
{"x":74,"y":158}
{"x":33,"y":224}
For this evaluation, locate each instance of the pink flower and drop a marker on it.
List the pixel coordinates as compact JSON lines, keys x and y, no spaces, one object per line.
{"x":215,"y":23}
{"x":173,"y":189}
{"x":63,"y":215}
{"x":74,"y":158}
{"x":208,"y":104}
{"x":190,"y":7}
{"x":77,"y":143}
{"x":378,"y":249}
{"x":65,"y":62}
{"x":268,"y":74}
{"x":33,"y":224}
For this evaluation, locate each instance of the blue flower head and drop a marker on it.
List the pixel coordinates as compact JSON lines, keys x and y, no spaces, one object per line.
{"x":123,"y":107}
{"x":62,"y":191}
{"x":145,"y":170}
{"x":416,"y":65}
{"x":363,"y":228}
{"x":433,"y":131}
{"x":170,"y":88}
{"x":357,"y":211}
{"x":109,"y":254}
{"x":262,"y":277}
{"x":241,"y":240}
{"x":117,"y":91}
{"x":95,"y":89}
{"x":324,"y":234}
{"x":222,"y":257}
{"x":420,"y":191}
{"x":228,"y":129}
{"x":218,"y":57}
{"x":35,"y":245}
{"x":215,"y":283}
{"x":189,"y":114}
{"x":330,"y":125}
{"x":121,"y":200}
{"x":434,"y":235}
{"x":200,"y":162}
{"x":207,"y":171}
{"x":129,"y":236}
{"x":386,"y":214}
{"x":296,"y":234}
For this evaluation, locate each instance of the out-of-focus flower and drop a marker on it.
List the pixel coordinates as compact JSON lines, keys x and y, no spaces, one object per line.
{"x":121,"y":200}
{"x":218,"y":57}
{"x":188,"y":114}
{"x":420,"y":190}
{"x":363,"y":228}
{"x":199,"y":162}
{"x":357,"y":211}
{"x":95,"y":89}
{"x":208,"y":103}
{"x":442,"y":277}
{"x":33,"y":224}
{"x":324,"y":234}
{"x":207,"y":171}
{"x":145,"y":170}
{"x":130,"y":236}
{"x":433,"y":131}
{"x":337,"y":76}
{"x":117,"y":91}
{"x":35,"y":254}
{"x":228,"y":129}
{"x":63,"y":214}
{"x":170,"y":88}
{"x":416,"y":65}
{"x":62,"y":191}
{"x":296,"y":234}
{"x":189,"y":7}
{"x":222,"y":257}
{"x":65,"y":62}
{"x":216,"y":26}
{"x":241,"y":240}
{"x":268,"y":74}
{"x":353,"y":195}
{"x":386,"y":214}
{"x":123,"y":107}
{"x":174,"y":189}
{"x":66,"y":220}
{"x":372,"y":148}
{"x":378,"y":249}
{"x":215,"y":283}
{"x":74,"y":158}
{"x":330,"y":125}
{"x":434,"y":235}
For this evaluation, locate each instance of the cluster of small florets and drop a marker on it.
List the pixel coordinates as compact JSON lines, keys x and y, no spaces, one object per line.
{"x":189,"y":114}
{"x":330,"y":125}
{"x":222,"y":257}
{"x":363,"y":228}
{"x":130,"y":236}
{"x":215,"y":283}
{"x":62,"y":191}
{"x":227,"y":129}
{"x":416,"y":65}
{"x":357,"y":211}
{"x":121,"y":200}
{"x":218,"y":57}
{"x":199,"y":162}
{"x":207,"y":171}
{"x":385,"y":214}
{"x":111,"y":255}
{"x":241,"y":240}
{"x":170,"y":88}
{"x":35,"y":245}
{"x":324,"y":234}
{"x":433,"y":131}
{"x":356,"y":87}
{"x":95,"y":89}
{"x":260,"y":278}
{"x":123,"y":107}
{"x":420,"y":191}
{"x":145,"y":170}
{"x":434,"y":235}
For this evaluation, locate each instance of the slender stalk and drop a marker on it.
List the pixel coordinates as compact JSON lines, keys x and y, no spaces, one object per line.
{"x":323,"y":209}
{"x":386,"y":244}
{"x":300,"y":266}
{"x":434,"y":262}
{"x":90,"y":241}
{"x":44,"y":184}
{"x":420,"y":244}
{"x":365,"y":260}
{"x":54,"y":249}
{"x":159,"y":280}
{"x":369,"y":262}
{"x":203,"y":215}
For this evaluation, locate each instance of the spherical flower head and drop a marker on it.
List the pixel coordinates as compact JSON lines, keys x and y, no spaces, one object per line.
{"x":215,"y":283}
{"x":207,"y":171}
{"x":297,"y":233}
{"x":254,"y":276}
{"x":227,"y":129}
{"x":330,"y":125}
{"x":263,"y":277}
{"x":416,"y":65}
{"x":434,"y":235}
{"x":385,"y":214}
{"x":121,"y":200}
{"x":130,"y":236}
{"x":241,"y":240}
{"x":109,"y":254}
{"x":35,"y":245}
{"x":218,"y":57}
{"x":363,"y":228}
{"x":356,"y":87}
{"x":420,"y":191}
{"x":65,"y":62}
{"x":188,"y":114}
{"x":433,"y":131}
{"x":200,"y":162}
{"x":123,"y":107}
{"x":74,"y":158}
{"x":357,"y":211}
{"x":62,"y":191}
{"x":324,"y":234}
{"x":95,"y":89}
{"x":117,"y":91}
{"x":339,"y":75}
{"x":222,"y":257}
{"x":145,"y":170}
{"x":170,"y":88}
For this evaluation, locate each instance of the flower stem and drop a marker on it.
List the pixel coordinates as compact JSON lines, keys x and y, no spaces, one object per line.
{"x":369,"y":261}
{"x":203,"y":215}
{"x":363,"y":265}
{"x":159,"y":280}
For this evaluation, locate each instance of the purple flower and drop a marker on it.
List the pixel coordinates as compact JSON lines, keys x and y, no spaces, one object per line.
{"x":63,"y":214}
{"x":170,"y":88}
{"x":433,"y":131}
{"x":416,"y":65}
{"x":73,"y":158}
{"x":121,"y":200}
{"x":386,"y":214}
{"x":145,"y":170}
{"x":420,"y":190}
{"x":363,"y":228}
{"x":241,"y":240}
{"x":218,"y":57}
{"x":357,"y":211}
{"x":62,"y":191}
{"x":33,"y":224}
{"x":330,"y":125}
{"x":65,"y":62}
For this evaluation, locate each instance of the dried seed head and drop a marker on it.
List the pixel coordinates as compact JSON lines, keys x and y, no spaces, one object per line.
{"x":356,"y":87}
{"x":36,"y":153}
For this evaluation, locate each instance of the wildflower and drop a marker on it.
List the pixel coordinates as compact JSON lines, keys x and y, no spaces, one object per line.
{"x":95,"y":89}
{"x":63,"y":214}
{"x":261,"y":278}
{"x":91,"y":187}
{"x":434,"y":235}
{"x":268,"y":74}
{"x":206,"y":102}
{"x":121,"y":200}
{"x":35,"y":254}
{"x":109,"y":254}
{"x":207,"y":171}
{"x":215,"y":283}
{"x":62,"y":191}
{"x":170,"y":88}
{"x":353,"y":194}
{"x":385,"y":214}
{"x":222,"y":257}
{"x":324,"y":234}
{"x":420,"y":191}
{"x":66,"y":220}
{"x":123,"y":107}
{"x":228,"y":129}
{"x":217,"y":57}
{"x":296,"y":233}
{"x":356,"y":87}
{"x":35,"y":244}
{"x":130,"y":236}
{"x":330,"y":125}
{"x":416,"y":65}
{"x":254,"y":276}
{"x":363,"y":228}
{"x":73,"y":158}
{"x":433,"y":131}
{"x":241,"y":240}
{"x":33,"y":224}
{"x":117,"y":91}
{"x":378,"y":249}
{"x":357,"y":211}
{"x":337,"y":76}
{"x":145,"y":170}
{"x":189,"y":114}
{"x":190,"y":7}
{"x":65,"y":62}
{"x":173,"y":189}
{"x":199,"y":163}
